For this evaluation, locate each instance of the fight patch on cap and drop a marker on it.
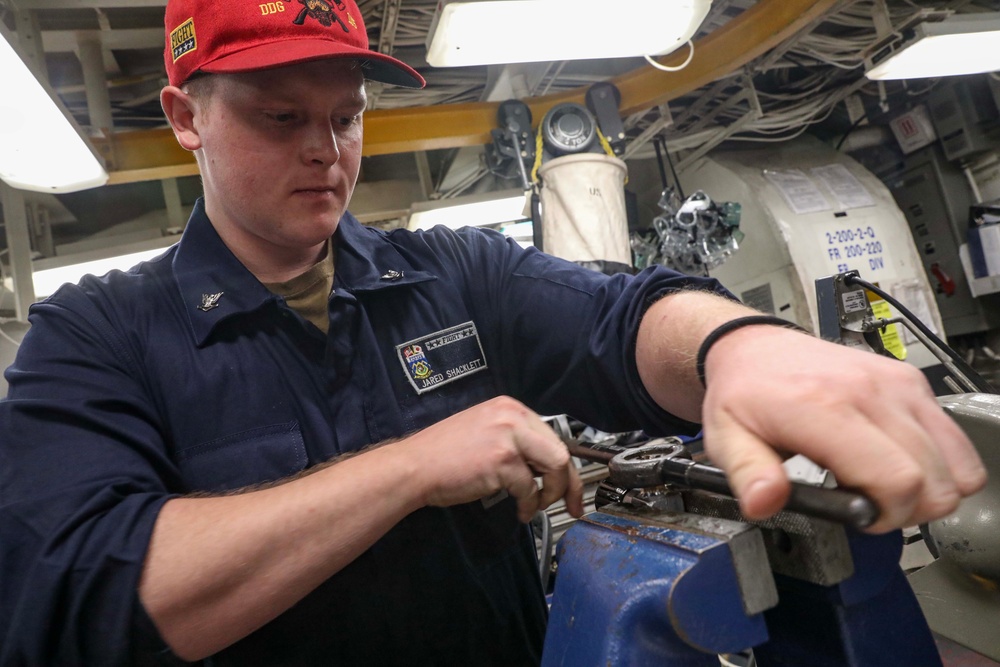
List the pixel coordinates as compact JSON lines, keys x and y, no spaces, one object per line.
{"x":182,"y":39}
{"x":444,"y":356}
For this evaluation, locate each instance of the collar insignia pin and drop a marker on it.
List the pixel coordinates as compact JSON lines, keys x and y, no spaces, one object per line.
{"x":210,"y":301}
{"x":392,"y":274}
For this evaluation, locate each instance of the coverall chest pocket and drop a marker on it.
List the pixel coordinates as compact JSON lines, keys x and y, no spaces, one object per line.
{"x":422,"y":410}
{"x":255,"y":456}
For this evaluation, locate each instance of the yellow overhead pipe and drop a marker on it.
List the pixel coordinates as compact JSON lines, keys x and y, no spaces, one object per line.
{"x":154,"y":154}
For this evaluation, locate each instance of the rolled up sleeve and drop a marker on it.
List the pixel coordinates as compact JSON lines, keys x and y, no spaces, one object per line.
{"x":82,"y":470}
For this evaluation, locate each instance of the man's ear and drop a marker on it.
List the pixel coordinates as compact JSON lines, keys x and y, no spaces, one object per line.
{"x":180,"y":110}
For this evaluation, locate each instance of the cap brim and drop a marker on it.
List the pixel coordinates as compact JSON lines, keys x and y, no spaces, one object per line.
{"x":376,"y":66}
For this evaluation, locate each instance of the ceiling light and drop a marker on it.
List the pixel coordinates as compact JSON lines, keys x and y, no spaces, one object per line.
{"x":964,"y":44}
{"x":489,"y":208}
{"x":483,"y":32}
{"x":41,"y":148}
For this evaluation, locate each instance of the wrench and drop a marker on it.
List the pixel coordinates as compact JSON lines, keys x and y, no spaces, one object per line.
{"x":664,"y":461}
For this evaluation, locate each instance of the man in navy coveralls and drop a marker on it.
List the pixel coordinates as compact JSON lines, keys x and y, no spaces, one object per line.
{"x":294,"y":440}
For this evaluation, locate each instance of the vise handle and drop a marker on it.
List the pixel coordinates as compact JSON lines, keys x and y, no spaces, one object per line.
{"x":663,"y":461}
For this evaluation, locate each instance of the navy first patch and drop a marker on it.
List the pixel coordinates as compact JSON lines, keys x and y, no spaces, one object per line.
{"x":436,"y":359}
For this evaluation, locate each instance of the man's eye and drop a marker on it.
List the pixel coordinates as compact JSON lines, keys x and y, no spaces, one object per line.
{"x":347,"y":121}
{"x":282,"y":117}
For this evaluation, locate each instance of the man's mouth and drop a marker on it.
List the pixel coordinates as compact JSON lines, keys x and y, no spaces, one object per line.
{"x":323,"y":190}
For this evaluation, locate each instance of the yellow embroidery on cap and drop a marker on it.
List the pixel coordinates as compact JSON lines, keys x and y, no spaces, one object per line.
{"x":271,"y":8}
{"x":350,"y":19}
{"x":182,"y":39}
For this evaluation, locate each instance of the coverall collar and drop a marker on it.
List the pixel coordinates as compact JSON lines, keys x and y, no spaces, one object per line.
{"x":215,"y":285}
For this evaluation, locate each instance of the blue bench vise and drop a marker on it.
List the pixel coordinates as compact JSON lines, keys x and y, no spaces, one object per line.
{"x":676,"y":580}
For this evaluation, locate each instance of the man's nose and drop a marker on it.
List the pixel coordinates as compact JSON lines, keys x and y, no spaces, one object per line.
{"x":321,"y":145}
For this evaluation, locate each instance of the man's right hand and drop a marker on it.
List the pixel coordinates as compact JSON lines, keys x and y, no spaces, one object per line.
{"x":217,"y":568}
{"x":494,"y":446}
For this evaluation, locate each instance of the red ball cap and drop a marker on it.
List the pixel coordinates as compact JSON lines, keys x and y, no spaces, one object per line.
{"x":239,"y":36}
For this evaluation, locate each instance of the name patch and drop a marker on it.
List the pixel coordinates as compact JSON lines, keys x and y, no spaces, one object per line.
{"x":444,"y":356}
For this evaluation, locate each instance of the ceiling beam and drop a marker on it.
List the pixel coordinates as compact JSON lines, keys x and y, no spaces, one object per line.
{"x":724,"y":50}
{"x":387,"y":131}
{"x":110,"y":62}
{"x":386,"y":41}
{"x":56,"y":41}
{"x":390,"y":21}
{"x":145,"y":155}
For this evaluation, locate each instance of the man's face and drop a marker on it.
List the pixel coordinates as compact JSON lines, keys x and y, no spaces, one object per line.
{"x":280,"y":153}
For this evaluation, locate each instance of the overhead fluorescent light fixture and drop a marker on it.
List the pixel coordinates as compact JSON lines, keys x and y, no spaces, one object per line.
{"x":489,"y":208}
{"x":41,"y":147}
{"x":961,"y":44}
{"x":484,"y":32}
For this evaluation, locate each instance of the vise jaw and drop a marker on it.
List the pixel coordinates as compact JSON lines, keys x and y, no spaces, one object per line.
{"x":640,"y":585}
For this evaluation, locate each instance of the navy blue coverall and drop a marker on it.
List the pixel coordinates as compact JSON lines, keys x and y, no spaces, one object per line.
{"x":185,"y":374}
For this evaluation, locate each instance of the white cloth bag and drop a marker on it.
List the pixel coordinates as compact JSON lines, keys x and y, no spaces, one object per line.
{"x":583,"y":208}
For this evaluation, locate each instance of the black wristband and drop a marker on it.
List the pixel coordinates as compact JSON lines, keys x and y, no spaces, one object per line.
{"x":732,"y":325}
